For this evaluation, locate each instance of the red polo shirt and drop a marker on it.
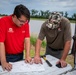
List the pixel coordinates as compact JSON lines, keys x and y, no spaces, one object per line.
{"x":12,"y":35}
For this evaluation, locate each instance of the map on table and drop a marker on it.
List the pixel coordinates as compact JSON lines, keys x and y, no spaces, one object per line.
{"x":21,"y":66}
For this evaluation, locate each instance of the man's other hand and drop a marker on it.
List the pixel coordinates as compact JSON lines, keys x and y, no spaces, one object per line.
{"x":6,"y":66}
{"x":63,"y":63}
{"x":28,"y":59}
{"x":37,"y":60}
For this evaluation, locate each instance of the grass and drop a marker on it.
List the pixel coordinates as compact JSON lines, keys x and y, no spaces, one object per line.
{"x":33,"y":41}
{"x":70,"y":60}
{"x":32,"y":53}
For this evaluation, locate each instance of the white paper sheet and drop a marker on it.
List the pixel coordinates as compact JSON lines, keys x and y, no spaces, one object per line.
{"x":26,"y":67}
{"x":21,"y":66}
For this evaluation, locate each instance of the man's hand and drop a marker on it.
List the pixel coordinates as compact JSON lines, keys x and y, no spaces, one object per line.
{"x":37,"y":60}
{"x":63,"y":63}
{"x":28,"y":59}
{"x":6,"y":66}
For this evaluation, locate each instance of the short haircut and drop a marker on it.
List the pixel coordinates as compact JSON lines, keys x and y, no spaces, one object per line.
{"x":21,"y":10}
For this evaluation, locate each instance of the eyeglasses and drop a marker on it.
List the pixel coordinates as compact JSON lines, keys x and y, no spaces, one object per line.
{"x":22,"y":21}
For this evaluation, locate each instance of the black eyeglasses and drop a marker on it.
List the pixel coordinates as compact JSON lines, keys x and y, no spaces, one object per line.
{"x":22,"y":21}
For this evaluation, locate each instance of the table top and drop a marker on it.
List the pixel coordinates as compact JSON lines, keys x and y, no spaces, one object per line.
{"x":48,"y":70}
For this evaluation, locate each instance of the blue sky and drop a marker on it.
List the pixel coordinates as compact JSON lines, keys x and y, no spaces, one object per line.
{"x":7,"y":6}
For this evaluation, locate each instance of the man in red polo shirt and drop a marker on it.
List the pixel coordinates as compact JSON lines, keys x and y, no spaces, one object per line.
{"x":14,"y":34}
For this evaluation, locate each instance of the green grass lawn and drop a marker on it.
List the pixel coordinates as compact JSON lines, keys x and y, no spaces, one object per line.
{"x":32,"y":53}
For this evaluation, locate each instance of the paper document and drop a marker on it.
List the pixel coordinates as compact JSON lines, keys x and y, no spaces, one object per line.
{"x":21,"y":66}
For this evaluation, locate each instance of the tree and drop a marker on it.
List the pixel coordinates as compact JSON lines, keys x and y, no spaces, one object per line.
{"x":74,"y":17}
{"x":47,"y":13}
{"x":66,"y":14}
{"x":62,"y":13}
{"x":42,"y":13}
{"x":34,"y":12}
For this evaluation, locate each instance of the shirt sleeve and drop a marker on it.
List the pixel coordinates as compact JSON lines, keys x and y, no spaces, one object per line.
{"x":27,"y":31}
{"x":67,"y":31}
{"x":41,"y":35}
{"x":2,"y":30}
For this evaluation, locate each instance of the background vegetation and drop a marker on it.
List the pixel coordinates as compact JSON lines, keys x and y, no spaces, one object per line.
{"x":33,"y":41}
{"x":45,"y":14}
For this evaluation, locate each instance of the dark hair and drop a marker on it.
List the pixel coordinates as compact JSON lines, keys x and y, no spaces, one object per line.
{"x":21,"y":10}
